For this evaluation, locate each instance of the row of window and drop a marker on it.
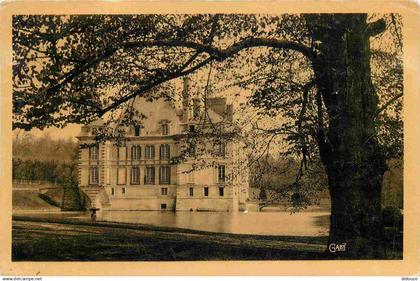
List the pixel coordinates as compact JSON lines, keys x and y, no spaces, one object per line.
{"x":136,"y":152}
{"x":164,"y":129}
{"x":164,"y":191}
{"x":149,"y":152}
{"x":149,"y":177}
{"x":206,"y":191}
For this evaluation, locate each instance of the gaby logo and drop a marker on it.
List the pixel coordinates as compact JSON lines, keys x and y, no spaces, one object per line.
{"x":337,"y":247}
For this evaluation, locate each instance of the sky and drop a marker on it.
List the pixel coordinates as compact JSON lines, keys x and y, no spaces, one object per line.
{"x":198,"y":83}
{"x":70,"y":131}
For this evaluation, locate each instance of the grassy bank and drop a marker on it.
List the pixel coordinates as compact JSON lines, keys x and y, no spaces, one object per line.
{"x":46,"y":240}
{"x":61,"y":239}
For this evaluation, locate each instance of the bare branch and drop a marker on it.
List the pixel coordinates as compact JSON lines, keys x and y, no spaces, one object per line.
{"x":222,"y":54}
{"x":158,"y":81}
{"x":388,"y":103}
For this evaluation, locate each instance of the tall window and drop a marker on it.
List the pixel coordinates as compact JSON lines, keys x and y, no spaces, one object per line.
{"x":150,"y":152}
{"x":135,"y":175}
{"x":165,"y":129}
{"x":164,"y":191}
{"x":221,"y":149}
{"x":164,"y":152}
{"x":94,"y":175}
{"x":93,"y":152}
{"x":121,"y":153}
{"x":206,"y":191}
{"x":121,"y":175}
{"x":221,"y":191}
{"x":135,"y":152}
{"x":165,"y":175}
{"x":191,"y":191}
{"x":137,"y":130}
{"x":150,"y":175}
{"x":221,"y":176}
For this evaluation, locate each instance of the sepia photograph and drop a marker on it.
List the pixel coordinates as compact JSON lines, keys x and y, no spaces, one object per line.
{"x":207,"y":136}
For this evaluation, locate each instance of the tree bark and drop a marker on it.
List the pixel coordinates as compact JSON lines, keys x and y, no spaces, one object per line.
{"x":349,"y":148}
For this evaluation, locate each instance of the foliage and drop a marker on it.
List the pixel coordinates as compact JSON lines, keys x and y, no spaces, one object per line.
{"x":74,"y":69}
{"x":43,"y":158}
{"x":321,"y":88}
{"x":279,"y":180}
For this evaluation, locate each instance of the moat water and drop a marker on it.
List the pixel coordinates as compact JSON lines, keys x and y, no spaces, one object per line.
{"x":269,"y":222}
{"x":260,"y":223}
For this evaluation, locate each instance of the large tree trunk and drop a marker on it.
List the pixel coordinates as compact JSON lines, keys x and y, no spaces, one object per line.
{"x":349,"y":148}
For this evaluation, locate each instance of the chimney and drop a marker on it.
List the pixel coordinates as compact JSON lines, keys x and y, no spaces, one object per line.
{"x":186,"y":92}
{"x":186,"y":99}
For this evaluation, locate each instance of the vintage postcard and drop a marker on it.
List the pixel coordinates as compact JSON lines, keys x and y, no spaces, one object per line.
{"x":210,"y":138}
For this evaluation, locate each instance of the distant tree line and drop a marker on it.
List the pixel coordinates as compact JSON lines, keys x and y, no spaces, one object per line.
{"x":44,"y":158}
{"x":51,"y":171}
{"x":279,"y":180}
{"x":273,"y":180}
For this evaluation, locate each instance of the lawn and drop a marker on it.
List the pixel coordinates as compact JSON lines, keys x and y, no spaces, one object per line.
{"x":46,"y":241}
{"x":53,"y":239}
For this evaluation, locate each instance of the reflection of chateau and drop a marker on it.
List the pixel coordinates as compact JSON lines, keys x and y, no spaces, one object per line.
{"x":141,"y":175}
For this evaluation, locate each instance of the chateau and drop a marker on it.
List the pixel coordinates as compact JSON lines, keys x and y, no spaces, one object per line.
{"x":146,"y":173}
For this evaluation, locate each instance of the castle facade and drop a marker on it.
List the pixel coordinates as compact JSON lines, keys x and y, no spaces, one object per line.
{"x":157,"y":167}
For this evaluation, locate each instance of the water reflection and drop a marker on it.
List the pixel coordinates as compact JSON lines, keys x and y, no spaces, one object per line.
{"x":261,"y":223}
{"x":312,"y":223}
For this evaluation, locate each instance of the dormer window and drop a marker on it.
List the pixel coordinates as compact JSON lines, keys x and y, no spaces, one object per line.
{"x":165,"y":129}
{"x":221,"y":149}
{"x":137,"y":130}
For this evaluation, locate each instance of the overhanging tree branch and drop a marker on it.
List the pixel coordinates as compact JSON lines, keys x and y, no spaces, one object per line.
{"x":222,"y":54}
{"x":215,"y":54}
{"x":147,"y":87}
